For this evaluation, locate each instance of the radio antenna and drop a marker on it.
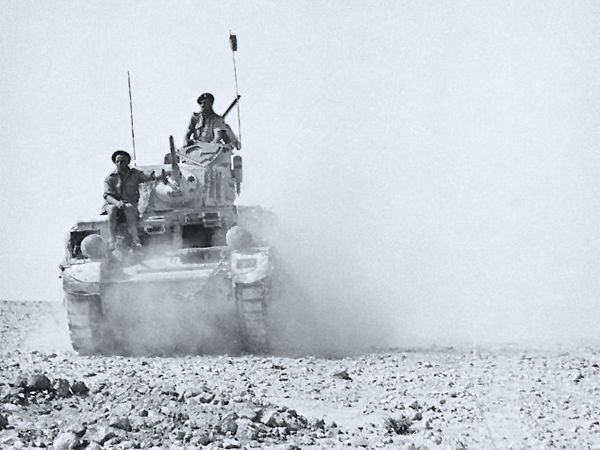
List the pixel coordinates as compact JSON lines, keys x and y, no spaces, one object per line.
{"x":131,"y":114}
{"x":233,"y":44}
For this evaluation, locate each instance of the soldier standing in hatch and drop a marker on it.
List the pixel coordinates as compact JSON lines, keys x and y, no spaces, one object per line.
{"x":122,"y":194}
{"x":208,"y":126}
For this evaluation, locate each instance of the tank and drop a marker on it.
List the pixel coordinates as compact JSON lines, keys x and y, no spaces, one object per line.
{"x":200,"y":283}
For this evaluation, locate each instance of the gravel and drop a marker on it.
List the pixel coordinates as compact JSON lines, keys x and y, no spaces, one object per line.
{"x":450,"y":399}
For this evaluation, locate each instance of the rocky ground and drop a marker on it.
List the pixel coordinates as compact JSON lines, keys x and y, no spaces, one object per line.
{"x":450,"y":399}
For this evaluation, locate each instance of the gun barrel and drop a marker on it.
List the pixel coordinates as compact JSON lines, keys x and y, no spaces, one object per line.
{"x":173,"y":155}
{"x":233,"y":103}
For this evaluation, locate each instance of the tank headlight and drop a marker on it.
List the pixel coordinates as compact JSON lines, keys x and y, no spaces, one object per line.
{"x":93,"y":247}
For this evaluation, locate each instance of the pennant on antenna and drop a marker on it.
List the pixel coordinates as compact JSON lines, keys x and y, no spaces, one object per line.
{"x":233,"y":41}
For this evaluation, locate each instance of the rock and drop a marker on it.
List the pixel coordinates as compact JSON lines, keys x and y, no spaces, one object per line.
{"x":180,"y":435}
{"x":78,"y":430}
{"x":254,"y":414}
{"x":342,"y":375}
{"x":62,"y":388}
{"x":3,"y":422}
{"x":319,"y":424}
{"x":360,"y":442}
{"x":418,"y":416}
{"x":206,"y":397}
{"x":245,"y":430}
{"x":79,"y":388}
{"x":66,"y":441}
{"x":269,"y":418}
{"x":415,"y":405}
{"x":38,"y":382}
{"x":204,"y":439}
{"x":100,"y":434}
{"x":230,"y":443}
{"x":228,"y":424}
{"x":122,"y":423}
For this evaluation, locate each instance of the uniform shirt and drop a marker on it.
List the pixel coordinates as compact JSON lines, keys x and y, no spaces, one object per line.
{"x":125,"y":188}
{"x":203,"y":127}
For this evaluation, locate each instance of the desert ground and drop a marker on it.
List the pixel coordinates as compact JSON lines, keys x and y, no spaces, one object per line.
{"x":393,"y":398}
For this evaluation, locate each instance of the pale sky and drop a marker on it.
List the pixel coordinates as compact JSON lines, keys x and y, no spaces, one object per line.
{"x":437,"y":160}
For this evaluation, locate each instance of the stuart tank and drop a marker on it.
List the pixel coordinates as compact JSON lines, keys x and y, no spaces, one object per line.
{"x":200,"y":283}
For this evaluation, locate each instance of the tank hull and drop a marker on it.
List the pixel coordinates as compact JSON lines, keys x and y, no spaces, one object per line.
{"x":170,"y":305}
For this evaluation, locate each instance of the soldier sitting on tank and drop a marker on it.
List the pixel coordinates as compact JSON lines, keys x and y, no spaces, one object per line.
{"x":122,"y":194}
{"x":208,"y":126}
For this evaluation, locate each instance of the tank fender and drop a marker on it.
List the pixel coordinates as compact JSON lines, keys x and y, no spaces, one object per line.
{"x":82,"y":278}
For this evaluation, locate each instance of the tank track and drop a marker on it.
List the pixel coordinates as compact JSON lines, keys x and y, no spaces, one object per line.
{"x":86,"y":323}
{"x":252,"y":299}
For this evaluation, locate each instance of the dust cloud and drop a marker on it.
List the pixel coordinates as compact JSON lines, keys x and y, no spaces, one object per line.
{"x":173,"y":318}
{"x":49,"y":331}
{"x":449,"y":247}
{"x":440,"y":186}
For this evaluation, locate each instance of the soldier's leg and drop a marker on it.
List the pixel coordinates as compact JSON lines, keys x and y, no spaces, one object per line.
{"x":131,"y":214}
{"x":113,"y":216}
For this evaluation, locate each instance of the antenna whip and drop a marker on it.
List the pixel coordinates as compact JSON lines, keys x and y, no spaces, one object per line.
{"x":131,"y":113}
{"x":233,"y":44}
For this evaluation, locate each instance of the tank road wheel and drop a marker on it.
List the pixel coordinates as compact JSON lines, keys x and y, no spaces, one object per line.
{"x":89,"y":334}
{"x":252,"y":305}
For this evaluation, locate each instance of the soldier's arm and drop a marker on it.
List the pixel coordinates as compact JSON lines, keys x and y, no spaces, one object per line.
{"x":110,"y":192}
{"x":142,"y":177}
{"x":222,"y":125}
{"x":191,"y":127}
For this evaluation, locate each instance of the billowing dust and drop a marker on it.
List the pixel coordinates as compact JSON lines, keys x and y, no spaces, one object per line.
{"x":486,"y":259}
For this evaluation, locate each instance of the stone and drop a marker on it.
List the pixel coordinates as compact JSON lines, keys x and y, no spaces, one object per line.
{"x":245,"y":430}
{"x":78,"y":429}
{"x":79,"y":388}
{"x":360,"y":442}
{"x":228,"y":424}
{"x":318,"y":424}
{"x":38,"y":382}
{"x":254,"y":414}
{"x":230,"y":443}
{"x":206,"y":397}
{"x":342,"y":375}
{"x":269,"y":419}
{"x":121,"y":423}
{"x":66,"y":441}
{"x":3,"y":421}
{"x":100,"y":434}
{"x":62,"y":388}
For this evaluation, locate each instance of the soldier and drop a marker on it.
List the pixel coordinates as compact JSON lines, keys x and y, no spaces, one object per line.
{"x":122,"y":194}
{"x":208,"y":126}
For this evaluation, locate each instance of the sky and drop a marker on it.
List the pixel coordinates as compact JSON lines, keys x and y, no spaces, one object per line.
{"x":434,"y":164}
